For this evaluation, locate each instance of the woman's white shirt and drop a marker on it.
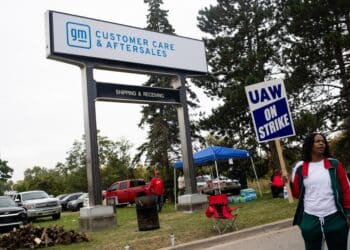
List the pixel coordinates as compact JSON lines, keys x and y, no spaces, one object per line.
{"x":319,"y":198}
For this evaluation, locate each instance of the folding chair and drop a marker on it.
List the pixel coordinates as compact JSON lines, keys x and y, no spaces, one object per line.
{"x":222,"y":216}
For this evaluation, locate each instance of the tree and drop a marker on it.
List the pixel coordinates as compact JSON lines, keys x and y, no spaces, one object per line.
{"x":160,"y":119}
{"x":162,"y":140}
{"x":41,"y":178}
{"x":305,"y":42}
{"x":5,"y":174}
{"x":242,"y":49}
{"x":340,"y":148}
{"x":318,"y":59}
{"x":117,"y":165}
{"x":114,"y":159}
{"x":74,"y":169}
{"x":5,"y":171}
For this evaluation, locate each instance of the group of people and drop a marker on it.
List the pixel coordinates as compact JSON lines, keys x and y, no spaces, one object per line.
{"x":321,"y":185}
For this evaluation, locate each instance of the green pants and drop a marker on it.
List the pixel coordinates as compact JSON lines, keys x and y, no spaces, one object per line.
{"x":333,"y":227}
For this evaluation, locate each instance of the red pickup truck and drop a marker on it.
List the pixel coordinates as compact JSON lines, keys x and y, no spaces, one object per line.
{"x":126,"y":191}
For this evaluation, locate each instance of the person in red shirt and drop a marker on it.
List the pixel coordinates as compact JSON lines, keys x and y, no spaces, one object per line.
{"x":277,"y":184}
{"x":157,"y":188}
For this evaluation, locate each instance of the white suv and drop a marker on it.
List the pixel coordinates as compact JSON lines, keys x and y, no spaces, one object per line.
{"x":39,"y":204}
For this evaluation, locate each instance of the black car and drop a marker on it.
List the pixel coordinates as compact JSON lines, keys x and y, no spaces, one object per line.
{"x":10,"y":214}
{"x":69,"y":197}
{"x":61,"y":196}
{"x":75,"y":205}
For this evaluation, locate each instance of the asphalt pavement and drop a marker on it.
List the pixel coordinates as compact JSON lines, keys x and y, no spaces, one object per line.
{"x":280,"y":235}
{"x":283,"y":239}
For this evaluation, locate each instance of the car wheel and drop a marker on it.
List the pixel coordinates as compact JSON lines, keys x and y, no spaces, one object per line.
{"x":31,"y":219}
{"x":56,"y":216}
{"x":25,"y":221}
{"x":80,"y":206}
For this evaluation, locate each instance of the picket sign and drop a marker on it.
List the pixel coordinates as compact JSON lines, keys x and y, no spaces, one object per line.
{"x":270,"y":111}
{"x":271,"y":116}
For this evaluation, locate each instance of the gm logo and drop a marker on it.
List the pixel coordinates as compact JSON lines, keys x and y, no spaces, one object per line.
{"x":78,"y":35}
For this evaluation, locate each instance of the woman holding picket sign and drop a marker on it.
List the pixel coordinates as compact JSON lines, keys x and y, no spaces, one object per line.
{"x":323,"y":190}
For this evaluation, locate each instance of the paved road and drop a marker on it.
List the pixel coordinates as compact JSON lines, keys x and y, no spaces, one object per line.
{"x":274,"y":236}
{"x":284,"y":239}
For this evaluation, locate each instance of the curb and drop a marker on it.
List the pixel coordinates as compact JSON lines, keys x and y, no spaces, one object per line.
{"x":221,"y":239}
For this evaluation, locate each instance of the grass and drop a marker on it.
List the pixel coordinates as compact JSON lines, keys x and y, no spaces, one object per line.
{"x":186,"y":226}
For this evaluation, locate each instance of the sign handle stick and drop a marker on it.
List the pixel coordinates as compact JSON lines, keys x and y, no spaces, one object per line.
{"x":283,"y":167}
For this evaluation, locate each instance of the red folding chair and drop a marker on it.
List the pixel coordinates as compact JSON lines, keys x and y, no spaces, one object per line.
{"x":222,"y":216}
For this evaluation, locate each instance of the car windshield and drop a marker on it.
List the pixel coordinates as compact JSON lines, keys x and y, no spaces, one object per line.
{"x":83,"y":196}
{"x":200,"y":179}
{"x":7,"y":202}
{"x":203,"y":178}
{"x":61,"y":196}
{"x":71,"y":197}
{"x":34,"y":195}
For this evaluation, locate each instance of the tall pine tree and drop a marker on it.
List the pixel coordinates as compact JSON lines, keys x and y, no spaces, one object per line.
{"x":162,"y":143}
{"x":242,"y":49}
{"x":318,"y":57}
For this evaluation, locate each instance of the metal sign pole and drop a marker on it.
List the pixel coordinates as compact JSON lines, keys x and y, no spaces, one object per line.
{"x":185,"y":137}
{"x":92,"y":162}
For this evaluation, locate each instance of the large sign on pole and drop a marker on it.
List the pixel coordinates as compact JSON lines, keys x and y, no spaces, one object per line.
{"x":92,"y":44}
{"x":270,"y":111}
{"x":70,"y":36}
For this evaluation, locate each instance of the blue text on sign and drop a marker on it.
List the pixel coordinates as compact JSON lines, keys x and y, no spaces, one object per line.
{"x":262,"y":95}
{"x":273,"y":120}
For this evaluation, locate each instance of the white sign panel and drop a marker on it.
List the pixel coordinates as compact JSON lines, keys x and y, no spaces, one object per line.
{"x":270,"y":111}
{"x":70,"y":35}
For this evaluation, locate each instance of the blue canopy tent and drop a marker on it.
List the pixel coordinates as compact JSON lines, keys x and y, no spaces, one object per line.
{"x":218,"y":153}
{"x":215,"y":153}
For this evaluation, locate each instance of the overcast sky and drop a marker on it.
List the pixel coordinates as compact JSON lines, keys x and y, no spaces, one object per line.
{"x":41,"y":108}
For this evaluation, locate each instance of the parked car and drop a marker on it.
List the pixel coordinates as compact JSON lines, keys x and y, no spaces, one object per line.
{"x":69,"y":197}
{"x":38,"y":203}
{"x":10,"y":193}
{"x":126,"y":191}
{"x":61,"y":196}
{"x":202,"y":182}
{"x":208,"y":185}
{"x":10,"y":214}
{"x":225,"y":180}
{"x":75,"y":205}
